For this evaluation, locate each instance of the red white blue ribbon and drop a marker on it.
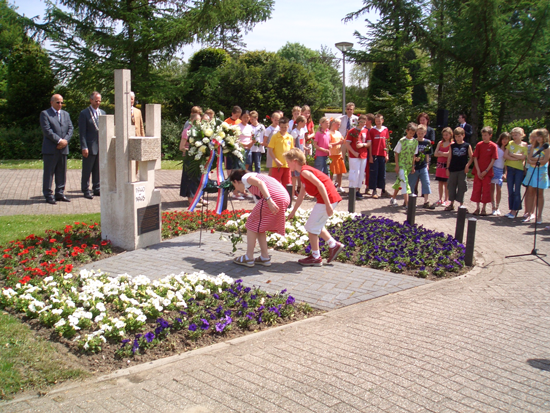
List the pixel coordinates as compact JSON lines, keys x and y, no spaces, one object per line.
{"x":220,"y":178}
{"x":203,"y":182}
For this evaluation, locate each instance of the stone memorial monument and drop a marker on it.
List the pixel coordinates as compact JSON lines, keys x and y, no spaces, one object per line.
{"x":130,"y":204}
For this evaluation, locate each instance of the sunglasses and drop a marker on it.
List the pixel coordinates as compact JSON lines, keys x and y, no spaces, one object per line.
{"x":59,"y":102}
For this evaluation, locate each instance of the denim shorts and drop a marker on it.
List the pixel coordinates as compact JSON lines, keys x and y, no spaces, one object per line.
{"x":497,"y":176}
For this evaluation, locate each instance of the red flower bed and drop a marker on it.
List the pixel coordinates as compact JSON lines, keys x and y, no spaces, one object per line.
{"x":54,"y":254}
{"x":183,"y":222}
{"x":58,"y":251}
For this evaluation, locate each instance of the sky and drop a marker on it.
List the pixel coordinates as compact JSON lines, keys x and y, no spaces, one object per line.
{"x":311,"y":22}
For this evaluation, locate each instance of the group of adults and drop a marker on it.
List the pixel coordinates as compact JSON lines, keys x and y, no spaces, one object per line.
{"x":57,"y":130}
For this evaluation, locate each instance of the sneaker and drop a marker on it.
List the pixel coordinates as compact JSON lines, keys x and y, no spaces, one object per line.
{"x":309,"y":261}
{"x":439,"y":203}
{"x":539,"y":222}
{"x":238,"y":198}
{"x":428,"y":206}
{"x":340,"y":190}
{"x":510,"y":215}
{"x":393,"y":202}
{"x":446,"y":203}
{"x":496,"y":213}
{"x":358,"y":195}
{"x":334,"y":251}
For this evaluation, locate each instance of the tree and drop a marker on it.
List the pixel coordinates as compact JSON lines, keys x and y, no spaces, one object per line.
{"x":12,"y":33}
{"x":264,"y":81}
{"x":201,"y":82}
{"x":396,"y":80}
{"x":30,"y":84}
{"x":324,"y":67}
{"x":492,"y":44}
{"x":95,"y":37}
{"x":26,"y":79}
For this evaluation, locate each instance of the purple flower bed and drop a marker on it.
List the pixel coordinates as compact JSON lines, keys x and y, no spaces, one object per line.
{"x":383,"y":243}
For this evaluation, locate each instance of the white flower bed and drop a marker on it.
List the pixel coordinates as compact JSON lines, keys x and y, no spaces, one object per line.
{"x":295,"y":237}
{"x":72,"y":304}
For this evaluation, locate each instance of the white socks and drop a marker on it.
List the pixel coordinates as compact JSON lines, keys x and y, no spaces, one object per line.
{"x":331,"y":242}
{"x":316,"y":254}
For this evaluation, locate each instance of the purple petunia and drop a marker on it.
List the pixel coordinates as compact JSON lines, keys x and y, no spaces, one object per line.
{"x":149,"y":337}
{"x":290,"y":300}
{"x":205,"y":324}
{"x":192,"y":327}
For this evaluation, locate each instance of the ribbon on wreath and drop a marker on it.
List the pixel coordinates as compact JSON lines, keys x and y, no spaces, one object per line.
{"x":208,"y":185}
{"x":220,"y":178}
{"x":203,"y":181}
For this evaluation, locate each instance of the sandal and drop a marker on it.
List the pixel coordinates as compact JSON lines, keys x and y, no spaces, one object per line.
{"x":476,"y":212}
{"x":243,"y":261}
{"x":483,"y":213}
{"x":261,"y":261}
{"x":449,"y":208}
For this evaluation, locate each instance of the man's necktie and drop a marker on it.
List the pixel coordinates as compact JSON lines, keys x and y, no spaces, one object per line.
{"x":59,"y":117}
{"x":348,"y":127}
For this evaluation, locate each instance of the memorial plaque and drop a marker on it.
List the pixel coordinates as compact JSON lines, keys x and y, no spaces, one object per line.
{"x":148,"y":219}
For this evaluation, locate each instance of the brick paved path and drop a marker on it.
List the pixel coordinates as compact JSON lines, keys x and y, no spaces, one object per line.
{"x":328,"y":287}
{"x":480,"y":343}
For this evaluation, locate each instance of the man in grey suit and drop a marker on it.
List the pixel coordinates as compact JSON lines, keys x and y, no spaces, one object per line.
{"x":88,"y":126}
{"x":57,"y":129}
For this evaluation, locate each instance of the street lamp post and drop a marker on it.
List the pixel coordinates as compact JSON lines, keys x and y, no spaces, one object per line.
{"x":344,"y":47}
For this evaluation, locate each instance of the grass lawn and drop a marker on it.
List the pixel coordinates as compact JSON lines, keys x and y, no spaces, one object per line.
{"x":14,"y":227}
{"x":28,"y":361}
{"x":71,"y":164}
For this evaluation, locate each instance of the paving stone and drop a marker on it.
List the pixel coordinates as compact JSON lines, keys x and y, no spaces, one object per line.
{"x":460,"y":345}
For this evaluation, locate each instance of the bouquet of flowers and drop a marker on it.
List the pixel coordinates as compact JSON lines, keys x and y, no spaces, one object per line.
{"x":426,"y":151}
{"x":204,"y":137}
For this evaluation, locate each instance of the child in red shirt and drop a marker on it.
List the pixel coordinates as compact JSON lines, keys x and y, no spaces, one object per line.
{"x":319,"y":185}
{"x":485,"y":154}
{"x":378,"y":155}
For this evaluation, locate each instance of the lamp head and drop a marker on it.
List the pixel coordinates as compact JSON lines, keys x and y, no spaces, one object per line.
{"x":344,"y":46}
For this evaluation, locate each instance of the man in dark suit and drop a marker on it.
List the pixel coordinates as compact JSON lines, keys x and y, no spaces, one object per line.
{"x":88,"y":127}
{"x":468,"y":130}
{"x":57,"y":129}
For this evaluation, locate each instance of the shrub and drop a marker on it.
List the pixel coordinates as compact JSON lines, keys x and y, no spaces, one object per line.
{"x":19,"y":143}
{"x":170,"y":138}
{"x":528,"y":125}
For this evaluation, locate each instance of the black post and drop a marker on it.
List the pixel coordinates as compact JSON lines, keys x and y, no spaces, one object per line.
{"x":460,"y":223}
{"x":290,"y":194}
{"x":470,"y":242}
{"x":225,"y":198}
{"x":411,"y":209}
{"x":351,"y":200}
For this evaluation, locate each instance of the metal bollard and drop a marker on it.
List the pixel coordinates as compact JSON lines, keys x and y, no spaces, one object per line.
{"x":290,"y":194}
{"x":470,"y":242}
{"x":460,"y":223}
{"x":351,"y":200}
{"x":225,"y":198}
{"x":411,"y":209}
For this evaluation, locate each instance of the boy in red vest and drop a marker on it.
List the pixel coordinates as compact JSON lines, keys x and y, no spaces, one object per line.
{"x":319,"y":185}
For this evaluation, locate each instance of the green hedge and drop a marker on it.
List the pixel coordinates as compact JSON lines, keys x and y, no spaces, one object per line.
{"x":20,"y":143}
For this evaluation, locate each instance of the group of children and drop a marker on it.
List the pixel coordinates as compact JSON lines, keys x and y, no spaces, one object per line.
{"x":366,"y":145}
{"x":492,"y":163}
